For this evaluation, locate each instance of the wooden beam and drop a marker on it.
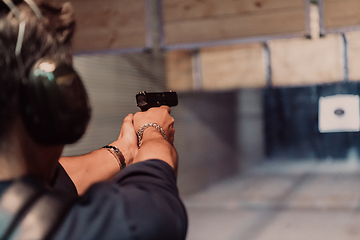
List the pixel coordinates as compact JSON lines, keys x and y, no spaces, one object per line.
{"x":191,"y":21}
{"x":353,"y":39}
{"x":296,"y":62}
{"x":179,"y":70}
{"x":109,"y":25}
{"x":233,"y":67}
{"x":339,"y":14}
{"x":193,"y":9}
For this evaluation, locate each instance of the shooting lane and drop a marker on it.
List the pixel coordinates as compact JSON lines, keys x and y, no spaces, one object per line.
{"x":249,"y":75}
{"x":219,"y":51}
{"x":272,"y":84}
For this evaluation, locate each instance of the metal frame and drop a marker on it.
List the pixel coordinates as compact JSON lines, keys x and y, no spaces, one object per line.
{"x":321,"y":17}
{"x":148,"y":24}
{"x":268,"y":65}
{"x":196,"y":70}
{"x":164,"y":46}
{"x":307,"y":19}
{"x":112,"y":51}
{"x":346,"y":60}
{"x":161,"y":25}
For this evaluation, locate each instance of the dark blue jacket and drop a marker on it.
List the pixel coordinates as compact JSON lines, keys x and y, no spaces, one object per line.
{"x":142,"y":202}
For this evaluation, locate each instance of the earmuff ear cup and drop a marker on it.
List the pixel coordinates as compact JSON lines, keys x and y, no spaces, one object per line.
{"x":54,"y":103}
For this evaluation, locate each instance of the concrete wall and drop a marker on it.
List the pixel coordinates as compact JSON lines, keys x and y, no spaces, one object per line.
{"x":250,"y":131}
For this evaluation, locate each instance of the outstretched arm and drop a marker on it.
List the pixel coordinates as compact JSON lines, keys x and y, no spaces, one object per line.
{"x":100,"y":165}
{"x":142,"y":201}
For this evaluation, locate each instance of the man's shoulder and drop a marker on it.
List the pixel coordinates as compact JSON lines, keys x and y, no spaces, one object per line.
{"x":29,"y":210}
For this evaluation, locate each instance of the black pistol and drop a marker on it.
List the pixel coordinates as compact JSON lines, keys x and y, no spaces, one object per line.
{"x":147,"y":100}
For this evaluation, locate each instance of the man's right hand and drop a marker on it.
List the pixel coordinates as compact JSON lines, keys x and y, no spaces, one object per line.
{"x":154,"y":146}
{"x":159,"y":115}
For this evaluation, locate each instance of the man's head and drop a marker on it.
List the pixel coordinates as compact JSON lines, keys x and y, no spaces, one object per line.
{"x":54,"y":102}
{"x":48,"y":36}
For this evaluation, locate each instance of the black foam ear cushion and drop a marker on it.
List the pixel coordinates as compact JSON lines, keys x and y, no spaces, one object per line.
{"x":54,"y":103}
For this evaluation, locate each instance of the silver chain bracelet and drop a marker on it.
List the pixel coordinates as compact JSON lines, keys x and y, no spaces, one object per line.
{"x":141,"y":130}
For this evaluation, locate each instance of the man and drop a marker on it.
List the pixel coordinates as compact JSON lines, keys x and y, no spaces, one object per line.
{"x":140,"y":202}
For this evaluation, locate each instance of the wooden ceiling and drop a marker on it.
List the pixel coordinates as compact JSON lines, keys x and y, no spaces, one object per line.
{"x":340,"y":15}
{"x":196,"y":21}
{"x":109,"y":25}
{"x":115,"y":25}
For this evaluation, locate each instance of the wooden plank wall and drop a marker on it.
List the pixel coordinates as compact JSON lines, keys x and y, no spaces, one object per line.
{"x":179,"y":70}
{"x":306,"y":62}
{"x":340,"y":14}
{"x":109,"y":24}
{"x":293,"y":62}
{"x":194,"y":21}
{"x":232,"y":67}
{"x":221,"y":68}
{"x":353,"y":39}
{"x":296,"y":62}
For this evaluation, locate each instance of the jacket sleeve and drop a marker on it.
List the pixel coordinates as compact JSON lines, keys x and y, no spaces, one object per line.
{"x":62,"y":182}
{"x":142,"y":202}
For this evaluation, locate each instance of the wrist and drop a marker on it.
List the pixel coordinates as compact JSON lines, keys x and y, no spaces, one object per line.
{"x":125,"y":150}
{"x":151,"y":134}
{"x":150,"y":131}
{"x":117,"y":154}
{"x":156,"y":147}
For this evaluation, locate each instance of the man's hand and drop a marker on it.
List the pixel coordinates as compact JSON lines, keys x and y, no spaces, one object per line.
{"x":154,"y":146}
{"x":159,"y":115}
{"x":127,"y":141}
{"x":100,"y":165}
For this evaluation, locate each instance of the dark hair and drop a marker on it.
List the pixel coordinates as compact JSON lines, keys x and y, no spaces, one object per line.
{"x":49,"y":36}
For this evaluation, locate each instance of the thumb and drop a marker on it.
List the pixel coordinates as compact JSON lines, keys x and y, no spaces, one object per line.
{"x":127,"y":125}
{"x":129,"y":119}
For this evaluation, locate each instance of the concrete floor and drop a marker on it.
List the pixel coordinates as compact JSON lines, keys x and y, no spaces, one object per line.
{"x":305,"y":200}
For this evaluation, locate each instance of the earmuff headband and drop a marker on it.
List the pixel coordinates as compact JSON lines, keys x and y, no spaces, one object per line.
{"x":54,"y":102}
{"x":11,"y":5}
{"x":20,"y":39}
{"x":34,"y":8}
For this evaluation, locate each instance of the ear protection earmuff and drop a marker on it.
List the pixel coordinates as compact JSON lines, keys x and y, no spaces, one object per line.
{"x":53,"y":99}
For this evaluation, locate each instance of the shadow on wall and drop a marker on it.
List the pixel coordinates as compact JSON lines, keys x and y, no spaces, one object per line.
{"x":205,"y":124}
{"x":218,"y":134}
